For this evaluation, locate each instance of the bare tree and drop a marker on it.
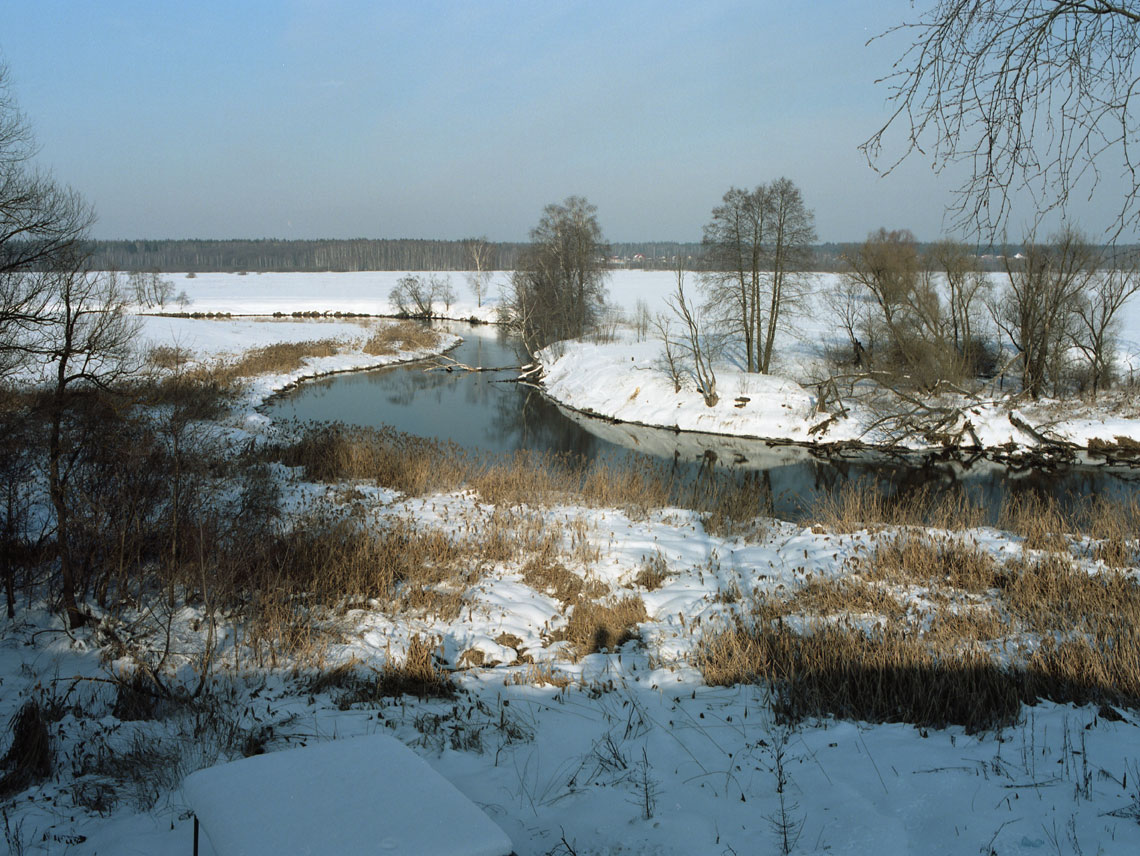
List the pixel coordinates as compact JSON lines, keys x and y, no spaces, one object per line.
{"x":480,"y":253}
{"x":41,"y":228}
{"x":1036,"y":310}
{"x":150,"y":289}
{"x":1096,"y":320}
{"x":415,"y":296}
{"x":734,"y":241}
{"x":904,"y":323}
{"x":670,"y":355}
{"x":88,"y":337}
{"x":756,"y":245}
{"x":967,"y":288}
{"x":696,"y":341}
{"x":55,"y":316}
{"x":558,"y":287}
{"x":1033,"y":94}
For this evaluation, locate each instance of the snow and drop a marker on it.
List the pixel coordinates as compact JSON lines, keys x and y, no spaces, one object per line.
{"x":358,"y":292}
{"x":624,"y":752}
{"x":367,"y":794}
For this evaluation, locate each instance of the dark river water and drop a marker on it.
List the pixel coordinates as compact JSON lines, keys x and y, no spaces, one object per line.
{"x":487,"y":413}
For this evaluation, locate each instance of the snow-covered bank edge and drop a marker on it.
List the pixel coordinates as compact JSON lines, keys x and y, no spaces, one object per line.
{"x":279,"y":384}
{"x":625,"y":383}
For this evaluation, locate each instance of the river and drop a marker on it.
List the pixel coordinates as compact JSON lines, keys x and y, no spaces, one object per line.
{"x":486,"y":412}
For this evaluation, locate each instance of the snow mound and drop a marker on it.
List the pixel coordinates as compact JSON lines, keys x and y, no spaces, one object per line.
{"x":365,"y":795}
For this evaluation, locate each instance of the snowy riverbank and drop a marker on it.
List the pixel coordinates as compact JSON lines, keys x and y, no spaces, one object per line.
{"x":627,"y":381}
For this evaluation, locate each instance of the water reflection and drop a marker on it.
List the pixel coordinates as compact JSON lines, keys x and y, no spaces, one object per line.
{"x":484,"y":412}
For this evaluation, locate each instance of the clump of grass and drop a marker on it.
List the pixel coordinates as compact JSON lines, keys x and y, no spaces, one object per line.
{"x":555,"y":579}
{"x":167,"y":357}
{"x":535,"y":478}
{"x":923,"y":559}
{"x":881,"y":675}
{"x":653,"y":572}
{"x":137,"y":697}
{"x":1101,"y":668}
{"x":595,"y":627}
{"x":540,"y":674}
{"x":29,"y":756}
{"x":404,"y":336}
{"x":1040,"y":520}
{"x":417,"y":674}
{"x":942,"y":667}
{"x":860,"y":506}
{"x":391,"y":458}
{"x":844,"y":595}
{"x":1054,"y":593}
{"x":1114,"y":525}
{"x":737,"y":505}
{"x":280,"y":357}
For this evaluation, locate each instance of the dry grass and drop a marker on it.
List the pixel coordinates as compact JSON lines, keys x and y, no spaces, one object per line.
{"x":925,"y":559}
{"x":1041,"y":521}
{"x":843,"y":596}
{"x":886,"y":675}
{"x":541,"y":674}
{"x":167,"y":357}
{"x":416,"y":674}
{"x":1054,"y":593}
{"x":555,"y":579}
{"x":281,"y":357}
{"x":653,"y":573}
{"x":404,"y":336}
{"x":29,"y":756}
{"x":416,"y":465}
{"x":735,"y":507}
{"x":1115,"y":526}
{"x":860,"y":506}
{"x":967,"y":662}
{"x":385,"y":456}
{"x":596,"y":627}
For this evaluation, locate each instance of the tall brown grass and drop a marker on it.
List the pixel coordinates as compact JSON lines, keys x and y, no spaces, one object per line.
{"x":858,"y":506}
{"x":1040,"y":625}
{"x":403,"y":336}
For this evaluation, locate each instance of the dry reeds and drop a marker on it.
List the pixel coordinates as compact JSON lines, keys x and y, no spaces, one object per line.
{"x":924,"y":559}
{"x":416,"y":674}
{"x":280,"y":357}
{"x":860,"y":506}
{"x":385,"y":456}
{"x":29,"y":757}
{"x":595,"y":627}
{"x":969,"y":660}
{"x":1040,"y":520}
{"x":404,"y":336}
{"x":881,"y":675}
{"x":1114,"y":526}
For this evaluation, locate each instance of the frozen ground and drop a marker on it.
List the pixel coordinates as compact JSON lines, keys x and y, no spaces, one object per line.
{"x":627,"y":752}
{"x":624,"y":752}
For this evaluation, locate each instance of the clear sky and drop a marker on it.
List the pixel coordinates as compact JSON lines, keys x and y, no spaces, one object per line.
{"x":346,"y":118}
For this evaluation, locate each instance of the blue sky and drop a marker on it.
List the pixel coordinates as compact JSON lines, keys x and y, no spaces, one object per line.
{"x":444,"y":119}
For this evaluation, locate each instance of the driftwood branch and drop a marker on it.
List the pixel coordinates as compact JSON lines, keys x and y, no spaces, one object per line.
{"x":447,"y":364}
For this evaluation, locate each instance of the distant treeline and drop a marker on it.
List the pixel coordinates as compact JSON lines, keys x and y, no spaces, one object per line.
{"x":346,"y":255}
{"x":273,"y":255}
{"x":269,"y":254}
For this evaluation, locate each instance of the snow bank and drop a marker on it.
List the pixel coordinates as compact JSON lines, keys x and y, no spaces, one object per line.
{"x":628,"y":381}
{"x":364,"y":292}
{"x":365,"y":795}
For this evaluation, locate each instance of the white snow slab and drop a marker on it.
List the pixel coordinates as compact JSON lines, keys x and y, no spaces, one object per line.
{"x":364,"y":795}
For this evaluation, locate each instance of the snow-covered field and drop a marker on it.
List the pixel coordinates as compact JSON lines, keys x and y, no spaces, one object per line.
{"x":625,"y":751}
